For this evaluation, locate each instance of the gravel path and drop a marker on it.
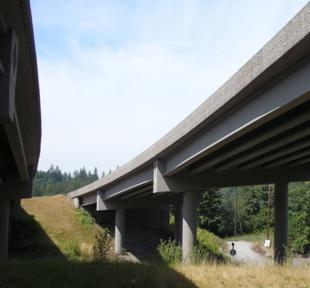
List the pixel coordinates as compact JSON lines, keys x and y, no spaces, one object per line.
{"x":245,"y":253}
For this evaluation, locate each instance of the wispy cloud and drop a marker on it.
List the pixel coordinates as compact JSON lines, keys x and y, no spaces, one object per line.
{"x":117,"y":75}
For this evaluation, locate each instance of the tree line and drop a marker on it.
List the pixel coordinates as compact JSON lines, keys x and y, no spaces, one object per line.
{"x":225,"y":212}
{"x":54,"y":181}
{"x":250,"y":209}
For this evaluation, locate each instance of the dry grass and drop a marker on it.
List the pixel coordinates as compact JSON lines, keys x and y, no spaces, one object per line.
{"x":116,"y":274}
{"x":57,"y":217}
{"x":217,"y":276}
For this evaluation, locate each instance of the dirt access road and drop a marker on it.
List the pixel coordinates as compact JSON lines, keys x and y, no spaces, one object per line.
{"x":245,"y":253}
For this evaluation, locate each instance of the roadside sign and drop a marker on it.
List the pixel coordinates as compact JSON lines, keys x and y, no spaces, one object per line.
{"x":267,"y":243}
{"x":232,"y":251}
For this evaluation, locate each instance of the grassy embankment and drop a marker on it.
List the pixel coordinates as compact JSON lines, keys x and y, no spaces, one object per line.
{"x":60,"y":226}
{"x":51,"y":227}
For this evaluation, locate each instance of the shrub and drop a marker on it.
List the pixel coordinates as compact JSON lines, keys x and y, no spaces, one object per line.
{"x":72,"y":250}
{"x":84,"y":218}
{"x":102,"y":246}
{"x":200,"y":254}
{"x":169,"y":251}
{"x":207,"y":248}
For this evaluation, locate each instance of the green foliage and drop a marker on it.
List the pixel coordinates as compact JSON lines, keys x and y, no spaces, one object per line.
{"x":169,"y":251}
{"x":209,"y":240}
{"x":72,"y":250}
{"x":299,"y":218}
{"x":244,"y":210}
{"x":238,"y":209}
{"x":201,"y":254}
{"x":54,"y":181}
{"x":207,"y":248}
{"x":84,"y":218}
{"x":102,"y":246}
{"x":210,"y":216}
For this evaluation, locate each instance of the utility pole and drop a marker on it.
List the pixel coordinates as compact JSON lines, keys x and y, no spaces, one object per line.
{"x":268,"y":210}
{"x":236,"y":209}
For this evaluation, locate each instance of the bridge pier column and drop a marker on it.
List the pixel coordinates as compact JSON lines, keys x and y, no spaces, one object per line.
{"x":76,"y":202}
{"x":4,"y":228}
{"x":178,"y":224}
{"x":189,"y":224}
{"x":280,"y":221}
{"x":119,"y":230}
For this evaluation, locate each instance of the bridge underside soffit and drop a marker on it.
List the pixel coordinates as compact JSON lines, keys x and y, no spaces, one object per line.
{"x":276,"y":151}
{"x":282,"y":144}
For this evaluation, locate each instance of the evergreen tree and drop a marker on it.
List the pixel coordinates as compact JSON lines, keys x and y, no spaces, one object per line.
{"x":210,"y":216}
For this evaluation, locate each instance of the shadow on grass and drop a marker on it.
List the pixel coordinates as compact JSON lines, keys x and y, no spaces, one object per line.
{"x":37,"y":262}
{"x":57,"y":273}
{"x":28,"y":239}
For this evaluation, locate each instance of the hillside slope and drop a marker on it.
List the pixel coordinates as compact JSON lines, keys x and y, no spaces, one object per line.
{"x":51,"y":226}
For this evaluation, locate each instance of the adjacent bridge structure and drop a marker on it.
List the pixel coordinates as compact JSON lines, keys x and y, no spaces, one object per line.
{"x":255,"y":129}
{"x":20,"y":114}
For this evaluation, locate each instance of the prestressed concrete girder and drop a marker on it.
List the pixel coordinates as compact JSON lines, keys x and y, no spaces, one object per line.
{"x":272,"y":101}
{"x":244,"y":178}
{"x":88,"y":199}
{"x":300,"y":119}
{"x":275,"y":155}
{"x":265,"y":149}
{"x":135,"y":181}
{"x":295,"y":156}
{"x":140,"y":183}
{"x":299,"y":162}
{"x":137,"y":192}
{"x":104,"y":205}
{"x":188,"y":182}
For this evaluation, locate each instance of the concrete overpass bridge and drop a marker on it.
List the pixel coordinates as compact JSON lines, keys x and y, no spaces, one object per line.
{"x":253,"y":130}
{"x":20,"y":118}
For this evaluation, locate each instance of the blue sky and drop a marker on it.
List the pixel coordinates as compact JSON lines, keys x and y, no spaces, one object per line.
{"x":115,"y":76}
